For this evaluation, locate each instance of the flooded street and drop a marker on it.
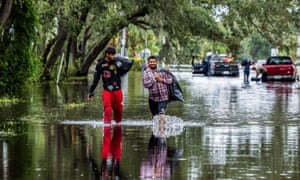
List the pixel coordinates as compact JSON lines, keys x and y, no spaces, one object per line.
{"x":222,"y":130}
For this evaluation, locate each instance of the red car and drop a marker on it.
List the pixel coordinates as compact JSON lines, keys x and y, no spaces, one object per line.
{"x":280,"y":68}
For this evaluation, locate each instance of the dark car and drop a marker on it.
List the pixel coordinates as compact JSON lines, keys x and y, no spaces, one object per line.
{"x":219,"y":67}
{"x":214,"y":65}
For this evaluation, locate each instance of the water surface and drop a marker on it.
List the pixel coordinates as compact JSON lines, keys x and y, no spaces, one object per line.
{"x":222,"y":130}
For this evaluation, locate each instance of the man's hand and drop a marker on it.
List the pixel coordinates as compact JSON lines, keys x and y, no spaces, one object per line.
{"x":158,"y":78}
{"x":90,"y":96}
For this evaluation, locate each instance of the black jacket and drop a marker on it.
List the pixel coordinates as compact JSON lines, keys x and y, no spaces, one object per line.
{"x":174,"y":90}
{"x":111,"y":72}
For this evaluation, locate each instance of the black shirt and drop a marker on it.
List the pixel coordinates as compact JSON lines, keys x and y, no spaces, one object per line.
{"x":110,"y":72}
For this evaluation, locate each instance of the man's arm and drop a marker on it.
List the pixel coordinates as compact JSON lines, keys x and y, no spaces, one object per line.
{"x":167,"y":78}
{"x":148,"y":79}
{"x":97,"y":75}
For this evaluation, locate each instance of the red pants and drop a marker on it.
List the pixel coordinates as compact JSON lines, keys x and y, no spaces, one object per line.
{"x":112,"y":101}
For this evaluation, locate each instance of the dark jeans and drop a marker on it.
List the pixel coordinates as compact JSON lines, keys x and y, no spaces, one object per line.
{"x":157,"y":107}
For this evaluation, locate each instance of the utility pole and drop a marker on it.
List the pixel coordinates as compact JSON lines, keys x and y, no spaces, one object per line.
{"x":124,"y":41}
{"x":124,"y":53}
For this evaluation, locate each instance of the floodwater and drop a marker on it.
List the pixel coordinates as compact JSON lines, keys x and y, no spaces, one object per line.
{"x":222,"y":130}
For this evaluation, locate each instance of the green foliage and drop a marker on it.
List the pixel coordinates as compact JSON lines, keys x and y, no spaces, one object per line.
{"x":255,"y":46}
{"x":260,"y":48}
{"x":17,"y":57}
{"x":175,"y":30}
{"x":277,"y":21}
{"x":137,"y":65}
{"x":138,"y":39}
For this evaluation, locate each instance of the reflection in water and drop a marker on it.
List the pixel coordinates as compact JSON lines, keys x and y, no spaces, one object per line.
{"x":259,"y":151}
{"x":155,"y":165}
{"x":111,"y":154}
{"x":227,"y":132}
{"x":173,"y":126}
{"x":4,"y":161}
{"x":160,"y":161}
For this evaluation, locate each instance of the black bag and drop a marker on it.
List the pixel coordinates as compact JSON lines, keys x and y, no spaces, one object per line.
{"x":124,"y":64}
{"x":174,"y":90}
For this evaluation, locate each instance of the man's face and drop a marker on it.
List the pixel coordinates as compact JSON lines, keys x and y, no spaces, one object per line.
{"x":110,"y":56}
{"x":152,"y":63}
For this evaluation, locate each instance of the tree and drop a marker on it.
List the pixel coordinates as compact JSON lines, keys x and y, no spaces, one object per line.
{"x":5,"y":11}
{"x":93,"y":24}
{"x":17,"y":60}
{"x":81,"y":29}
{"x":277,"y":21}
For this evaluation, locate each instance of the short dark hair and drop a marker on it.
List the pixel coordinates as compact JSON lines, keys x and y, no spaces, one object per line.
{"x":152,"y":57}
{"x":110,"y":50}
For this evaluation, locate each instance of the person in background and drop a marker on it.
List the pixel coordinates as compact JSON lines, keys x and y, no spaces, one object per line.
{"x":207,"y":63}
{"x":259,"y":68}
{"x":230,"y":57}
{"x":112,"y":95}
{"x":156,"y":81}
{"x":246,"y":63}
{"x":209,"y":53}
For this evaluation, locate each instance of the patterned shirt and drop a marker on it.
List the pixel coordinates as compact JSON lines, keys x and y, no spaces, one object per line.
{"x":110,"y":72}
{"x":158,"y":91}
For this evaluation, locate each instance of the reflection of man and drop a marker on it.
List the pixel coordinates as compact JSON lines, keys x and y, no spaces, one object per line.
{"x":111,"y":153}
{"x":157,"y":164}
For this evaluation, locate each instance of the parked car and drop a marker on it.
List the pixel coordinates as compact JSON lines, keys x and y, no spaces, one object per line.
{"x":197,"y":68}
{"x":216,"y":66}
{"x":280,"y":68}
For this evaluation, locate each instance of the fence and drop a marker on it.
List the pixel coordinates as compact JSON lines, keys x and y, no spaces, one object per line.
{"x":180,"y":68}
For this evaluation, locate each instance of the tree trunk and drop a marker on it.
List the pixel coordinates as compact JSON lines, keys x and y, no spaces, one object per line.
{"x":56,"y":51}
{"x":47,"y":51}
{"x":5,"y":10}
{"x":67,"y":56}
{"x":90,"y":58}
{"x":84,"y":68}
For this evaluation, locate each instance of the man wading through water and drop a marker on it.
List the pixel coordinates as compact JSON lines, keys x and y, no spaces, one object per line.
{"x":111,"y":69}
{"x":156,"y":81}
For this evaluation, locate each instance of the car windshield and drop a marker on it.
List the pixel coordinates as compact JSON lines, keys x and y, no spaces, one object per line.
{"x":279,"y":60}
{"x":261,"y":61}
{"x":217,"y":58}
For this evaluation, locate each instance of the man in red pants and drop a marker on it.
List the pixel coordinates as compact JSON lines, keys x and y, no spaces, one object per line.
{"x":112,"y":96}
